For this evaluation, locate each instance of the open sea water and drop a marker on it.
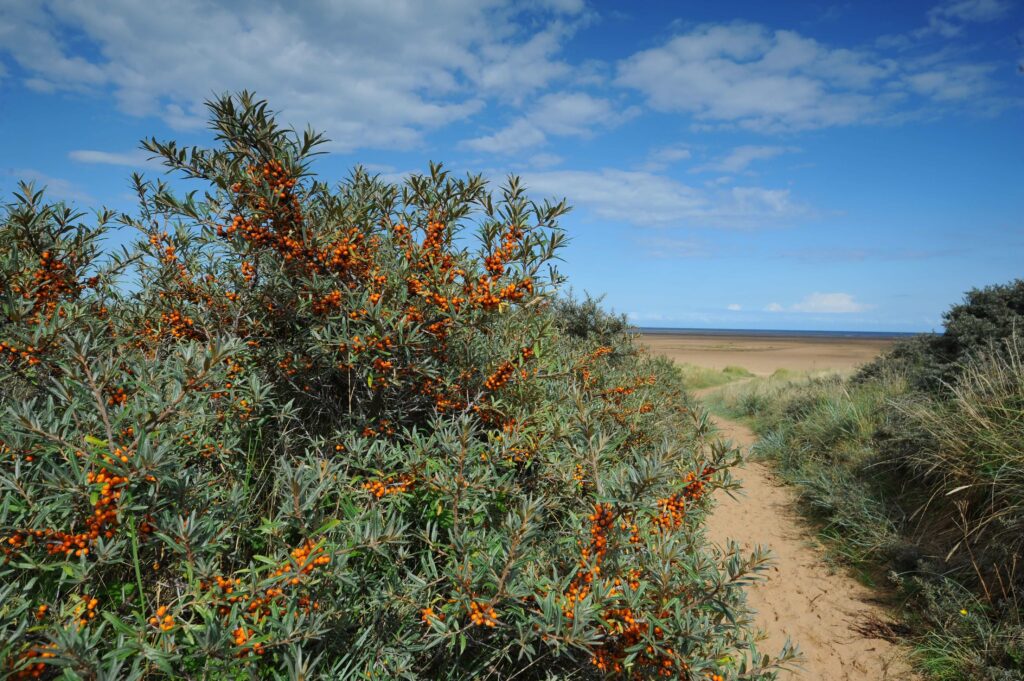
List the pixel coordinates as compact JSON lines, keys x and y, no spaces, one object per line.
{"x":768,"y":333}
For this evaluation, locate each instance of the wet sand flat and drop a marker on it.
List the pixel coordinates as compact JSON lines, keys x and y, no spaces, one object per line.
{"x":763,"y":355}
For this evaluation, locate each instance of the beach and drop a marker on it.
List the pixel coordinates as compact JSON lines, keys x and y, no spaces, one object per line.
{"x":762,"y":355}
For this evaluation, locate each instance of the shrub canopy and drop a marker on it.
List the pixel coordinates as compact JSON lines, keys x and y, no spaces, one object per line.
{"x":983,"y":324}
{"x":296,"y":431}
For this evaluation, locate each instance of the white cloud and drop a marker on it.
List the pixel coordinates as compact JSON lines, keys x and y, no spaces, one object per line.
{"x":132,"y":159}
{"x":734,"y":307}
{"x":766,"y":80}
{"x":946,"y":19}
{"x":839,"y":303}
{"x":659,"y":159}
{"x":760,"y":201}
{"x":960,"y":82}
{"x":520,"y":135}
{"x":974,"y":10}
{"x":545,"y":160}
{"x":576,"y":113}
{"x":375,"y":74}
{"x":567,"y":6}
{"x":647,"y":199}
{"x":516,"y":71}
{"x":741,"y":157}
{"x":635,"y":197}
{"x":371,"y":74}
{"x":823,"y":303}
{"x":562,"y":113}
{"x":56,"y":188}
{"x":757,"y":78}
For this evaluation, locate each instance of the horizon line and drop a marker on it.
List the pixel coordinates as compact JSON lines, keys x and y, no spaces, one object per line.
{"x":722,"y":331}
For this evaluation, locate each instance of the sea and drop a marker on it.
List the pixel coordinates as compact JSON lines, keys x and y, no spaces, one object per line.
{"x":788,"y":333}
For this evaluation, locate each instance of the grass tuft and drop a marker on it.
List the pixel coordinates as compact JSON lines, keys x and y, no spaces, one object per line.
{"x":698,"y":377}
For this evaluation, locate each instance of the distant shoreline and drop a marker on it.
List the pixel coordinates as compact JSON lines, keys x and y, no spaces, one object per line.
{"x":775,"y":333}
{"x":764,"y":352}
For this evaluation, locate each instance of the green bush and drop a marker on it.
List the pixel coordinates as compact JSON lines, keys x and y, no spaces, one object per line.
{"x":300,"y":431}
{"x":983,"y":323}
{"x":587,"y":320}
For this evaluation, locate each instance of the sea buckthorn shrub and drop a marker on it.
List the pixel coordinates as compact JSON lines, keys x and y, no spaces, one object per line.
{"x":302,"y":431}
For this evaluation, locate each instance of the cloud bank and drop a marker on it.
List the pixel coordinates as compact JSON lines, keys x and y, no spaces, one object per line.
{"x":823,"y":303}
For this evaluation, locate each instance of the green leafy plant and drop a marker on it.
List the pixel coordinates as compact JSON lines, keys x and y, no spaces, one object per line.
{"x":300,"y":431}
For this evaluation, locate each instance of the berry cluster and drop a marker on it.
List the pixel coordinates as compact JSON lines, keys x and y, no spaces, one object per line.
{"x":482,"y":614}
{"x":601,"y":521}
{"x":102,"y":521}
{"x":500,"y":377}
{"x":28,"y":354}
{"x":258,"y":605}
{"x":392,"y":485}
{"x":34,"y":670}
{"x":162,"y":620}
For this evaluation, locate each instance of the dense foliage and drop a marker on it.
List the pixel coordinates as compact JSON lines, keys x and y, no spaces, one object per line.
{"x":982,"y":323}
{"x":296,"y":431}
{"x":916,"y":465}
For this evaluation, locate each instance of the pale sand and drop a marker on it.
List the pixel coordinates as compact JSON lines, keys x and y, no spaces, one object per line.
{"x":762,"y":355}
{"x":821,"y":610}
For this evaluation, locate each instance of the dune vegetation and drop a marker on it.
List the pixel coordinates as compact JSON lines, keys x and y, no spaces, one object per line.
{"x":913,"y":469}
{"x":297,"y":430}
{"x":698,"y":377}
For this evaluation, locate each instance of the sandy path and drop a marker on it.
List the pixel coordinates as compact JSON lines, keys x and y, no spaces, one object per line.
{"x":802,"y":599}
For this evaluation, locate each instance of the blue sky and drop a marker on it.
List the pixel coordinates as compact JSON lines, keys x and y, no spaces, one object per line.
{"x":799,"y":165}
